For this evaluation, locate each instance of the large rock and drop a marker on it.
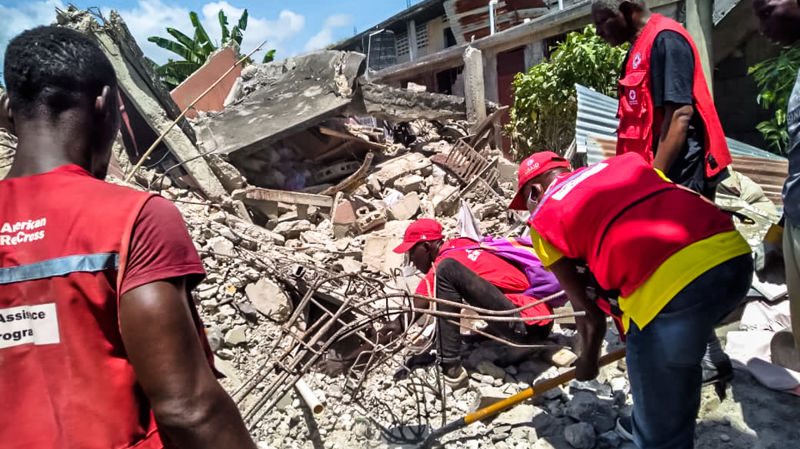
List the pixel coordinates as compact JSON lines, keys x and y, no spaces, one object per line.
{"x":406,"y":208}
{"x":609,"y":440}
{"x":521,"y":414}
{"x":445,"y":200}
{"x":221,"y":246}
{"x":580,"y":435}
{"x":589,"y":408}
{"x":490,"y":369}
{"x":269,"y":299}
{"x":236,"y":335}
{"x":293,"y":229}
{"x":487,"y":395}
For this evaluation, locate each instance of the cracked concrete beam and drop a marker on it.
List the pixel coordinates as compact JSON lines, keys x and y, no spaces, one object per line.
{"x":151,"y":100}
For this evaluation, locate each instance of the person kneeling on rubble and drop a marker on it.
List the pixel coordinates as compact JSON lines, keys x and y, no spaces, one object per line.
{"x":668,"y":263}
{"x":462,"y":270}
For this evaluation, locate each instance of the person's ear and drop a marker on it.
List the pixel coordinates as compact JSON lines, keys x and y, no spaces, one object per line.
{"x":106,"y":108}
{"x":6,"y":114}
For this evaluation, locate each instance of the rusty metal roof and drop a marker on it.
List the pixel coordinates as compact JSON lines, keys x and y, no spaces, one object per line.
{"x":470,"y":18}
{"x":595,"y":136}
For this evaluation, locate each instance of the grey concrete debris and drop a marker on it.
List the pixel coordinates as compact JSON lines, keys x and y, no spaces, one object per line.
{"x":288,"y":96}
{"x":589,"y":408}
{"x":580,"y":435}
{"x":270,"y":299}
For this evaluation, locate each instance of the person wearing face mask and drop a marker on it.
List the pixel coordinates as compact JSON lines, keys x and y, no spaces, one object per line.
{"x":674,"y":259}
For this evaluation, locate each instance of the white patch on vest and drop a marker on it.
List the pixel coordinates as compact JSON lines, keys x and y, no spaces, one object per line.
{"x":632,"y":97}
{"x":24,"y":325}
{"x":637,"y":59}
{"x":566,"y":188}
{"x":27,"y":231}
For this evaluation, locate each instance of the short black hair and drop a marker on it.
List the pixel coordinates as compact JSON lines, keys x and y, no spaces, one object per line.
{"x":50,"y":69}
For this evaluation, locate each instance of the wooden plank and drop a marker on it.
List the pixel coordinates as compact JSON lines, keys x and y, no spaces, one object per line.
{"x":346,"y":136}
{"x":258,"y":194}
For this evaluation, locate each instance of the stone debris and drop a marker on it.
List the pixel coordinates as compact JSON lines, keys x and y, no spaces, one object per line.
{"x":330,"y":191}
{"x":580,"y":435}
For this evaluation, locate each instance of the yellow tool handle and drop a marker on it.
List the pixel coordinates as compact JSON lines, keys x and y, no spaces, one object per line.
{"x":539,"y":388}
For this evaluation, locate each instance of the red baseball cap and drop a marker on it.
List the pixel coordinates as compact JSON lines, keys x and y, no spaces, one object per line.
{"x":422,"y":230}
{"x":532,"y":167}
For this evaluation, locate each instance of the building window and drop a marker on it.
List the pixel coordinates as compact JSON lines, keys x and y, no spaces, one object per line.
{"x":402,"y":44}
{"x":422,"y":35}
{"x":449,"y":38}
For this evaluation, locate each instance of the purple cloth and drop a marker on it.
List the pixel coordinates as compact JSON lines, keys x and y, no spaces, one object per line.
{"x":519,"y":252}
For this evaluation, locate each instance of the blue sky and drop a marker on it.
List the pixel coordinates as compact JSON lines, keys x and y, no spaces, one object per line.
{"x":291,"y":27}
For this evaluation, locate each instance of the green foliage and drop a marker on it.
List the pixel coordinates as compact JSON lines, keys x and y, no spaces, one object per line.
{"x":545,"y":105}
{"x":775,"y":78}
{"x":195,"y":51}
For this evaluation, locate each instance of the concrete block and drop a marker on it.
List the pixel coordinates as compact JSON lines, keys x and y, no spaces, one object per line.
{"x":410,"y":183}
{"x":270,"y":299}
{"x":406,"y":208}
{"x":445,"y":200}
{"x":391,"y":170}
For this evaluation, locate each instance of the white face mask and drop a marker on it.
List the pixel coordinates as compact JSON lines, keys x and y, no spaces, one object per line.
{"x":533,"y":199}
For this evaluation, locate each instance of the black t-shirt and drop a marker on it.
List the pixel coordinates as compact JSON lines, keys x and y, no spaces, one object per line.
{"x":672,"y":81}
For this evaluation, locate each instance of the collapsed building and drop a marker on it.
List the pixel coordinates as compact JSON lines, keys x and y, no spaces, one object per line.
{"x":296,"y":181}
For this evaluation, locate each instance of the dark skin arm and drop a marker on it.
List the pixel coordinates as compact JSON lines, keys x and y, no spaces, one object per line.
{"x":190,"y":406}
{"x":591,"y":327}
{"x":674,"y":130}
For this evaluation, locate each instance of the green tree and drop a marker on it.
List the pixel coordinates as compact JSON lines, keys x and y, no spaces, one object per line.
{"x":775,"y":79}
{"x":196,"y":50}
{"x":545,"y":104}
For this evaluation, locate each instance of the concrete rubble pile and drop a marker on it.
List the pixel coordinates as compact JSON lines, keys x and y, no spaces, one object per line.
{"x":309,"y":167}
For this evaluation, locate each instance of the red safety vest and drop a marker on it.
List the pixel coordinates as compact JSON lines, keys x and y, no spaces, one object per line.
{"x":623,"y":220}
{"x":66,"y":381}
{"x":640,"y":122}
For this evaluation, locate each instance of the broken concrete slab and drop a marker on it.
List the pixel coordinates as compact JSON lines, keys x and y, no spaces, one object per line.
{"x":293,"y":95}
{"x":402,"y":105}
{"x":293,"y":229}
{"x":406,"y":208}
{"x":270,"y":299}
{"x":265,"y":201}
{"x":410,"y":183}
{"x":236,"y":335}
{"x":444,"y":200}
{"x":138,"y":84}
{"x":411,"y":163}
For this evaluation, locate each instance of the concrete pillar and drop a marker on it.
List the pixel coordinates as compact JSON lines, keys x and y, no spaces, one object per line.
{"x":473,"y":86}
{"x":700,"y":24}
{"x":534,"y":54}
{"x":411,"y":29}
{"x":490,"y":75}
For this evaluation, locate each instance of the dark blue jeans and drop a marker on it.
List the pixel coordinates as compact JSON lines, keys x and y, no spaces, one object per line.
{"x":664,"y":357}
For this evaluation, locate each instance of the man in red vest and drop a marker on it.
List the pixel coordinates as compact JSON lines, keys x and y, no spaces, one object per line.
{"x":100,"y":343}
{"x":666,"y":112}
{"x":457,"y":270}
{"x":670,"y":263}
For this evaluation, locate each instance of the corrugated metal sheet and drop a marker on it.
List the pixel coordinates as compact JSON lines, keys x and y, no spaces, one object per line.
{"x":470,"y":18}
{"x":595,"y":135}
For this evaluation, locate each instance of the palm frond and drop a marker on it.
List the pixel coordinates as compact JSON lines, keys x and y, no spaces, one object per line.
{"x":172,"y":46}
